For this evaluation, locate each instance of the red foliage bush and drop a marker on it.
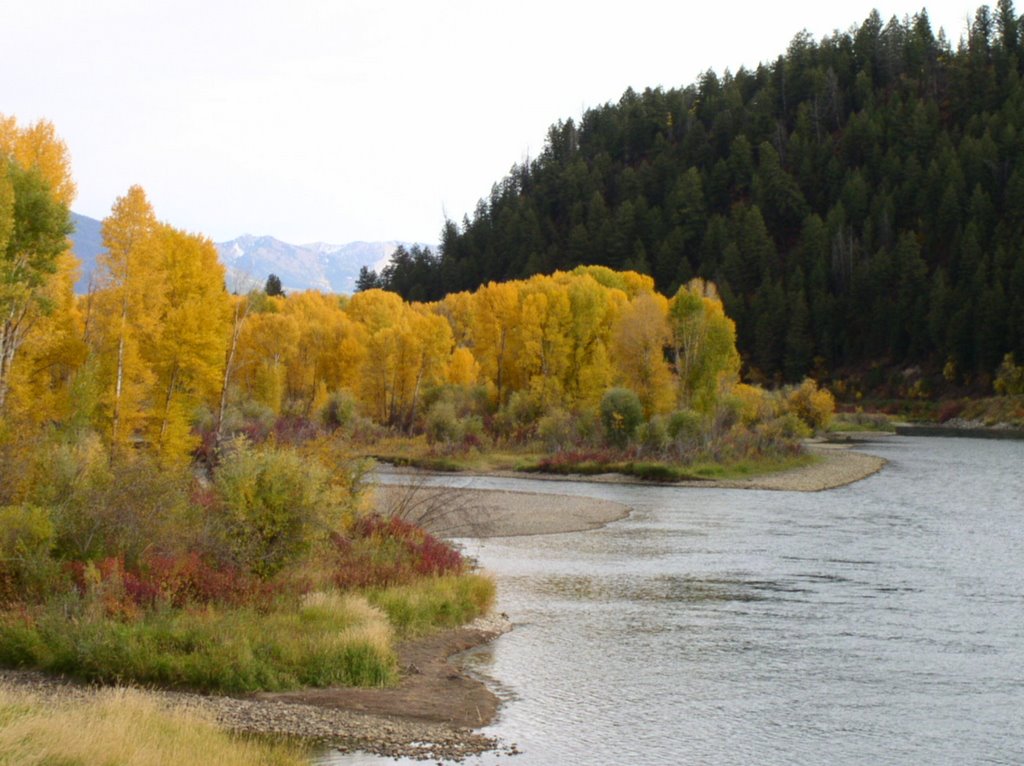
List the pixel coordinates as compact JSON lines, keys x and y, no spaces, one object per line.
{"x":949,"y":410}
{"x":389,"y":551}
{"x":175,"y":580}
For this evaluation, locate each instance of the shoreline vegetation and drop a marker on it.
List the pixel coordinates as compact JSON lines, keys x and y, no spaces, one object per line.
{"x":433,"y":710}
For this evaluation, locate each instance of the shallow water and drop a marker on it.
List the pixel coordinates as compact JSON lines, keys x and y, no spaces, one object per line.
{"x":879,"y":623}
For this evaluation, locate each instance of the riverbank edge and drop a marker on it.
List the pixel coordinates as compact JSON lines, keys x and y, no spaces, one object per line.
{"x":837,"y":466}
{"x":960,"y":431}
{"x":415,"y":720}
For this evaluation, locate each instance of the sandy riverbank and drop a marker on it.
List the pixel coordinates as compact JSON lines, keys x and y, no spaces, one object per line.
{"x":469,"y":512}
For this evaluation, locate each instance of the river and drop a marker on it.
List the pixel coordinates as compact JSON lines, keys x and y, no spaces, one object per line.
{"x":880,"y":623}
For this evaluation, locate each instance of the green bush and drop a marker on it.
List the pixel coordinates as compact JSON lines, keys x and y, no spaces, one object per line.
{"x":555,"y":430}
{"x":340,"y":411}
{"x":621,"y":414}
{"x":442,"y":424}
{"x":653,"y":435}
{"x":101,"y":508}
{"x":275,"y":506}
{"x":685,"y":426}
{"x":517,"y":419}
{"x":1009,"y":377}
{"x":26,"y":538}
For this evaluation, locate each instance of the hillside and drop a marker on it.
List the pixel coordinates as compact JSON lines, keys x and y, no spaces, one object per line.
{"x":250,"y":260}
{"x":859,"y":200}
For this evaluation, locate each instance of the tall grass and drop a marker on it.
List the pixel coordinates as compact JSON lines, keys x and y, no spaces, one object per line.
{"x":124,"y":727}
{"x":327,"y":639}
{"x":434,"y":603}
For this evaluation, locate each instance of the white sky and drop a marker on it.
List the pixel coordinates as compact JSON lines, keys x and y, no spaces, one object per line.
{"x":340,"y":121}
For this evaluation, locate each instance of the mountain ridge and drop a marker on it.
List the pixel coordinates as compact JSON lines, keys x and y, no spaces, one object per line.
{"x":251,"y":258}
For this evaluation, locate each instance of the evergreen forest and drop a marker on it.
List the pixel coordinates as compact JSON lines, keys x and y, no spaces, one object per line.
{"x":859,"y":202}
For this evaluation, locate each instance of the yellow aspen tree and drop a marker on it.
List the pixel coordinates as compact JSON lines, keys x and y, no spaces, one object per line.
{"x":704,"y":345}
{"x":462,"y":369}
{"x":497,"y":319}
{"x":187,"y":355}
{"x":127,"y":312}
{"x":547,"y":318}
{"x":43,"y":387}
{"x":35,"y":192}
{"x":266,"y":342}
{"x":383,"y":317}
{"x":376,"y":309}
{"x":431,"y":342}
{"x":326,"y":351}
{"x":457,"y":308}
{"x":239,"y":312}
{"x":380,"y":385}
{"x":594,"y":309}
{"x":639,"y":340}
{"x":38,"y":147}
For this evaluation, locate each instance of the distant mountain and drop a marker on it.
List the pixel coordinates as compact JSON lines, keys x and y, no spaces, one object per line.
{"x":87,"y":242}
{"x":317,"y":265}
{"x":250,"y":260}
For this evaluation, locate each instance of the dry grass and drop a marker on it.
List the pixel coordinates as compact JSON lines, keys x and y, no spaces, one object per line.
{"x":122,"y":727}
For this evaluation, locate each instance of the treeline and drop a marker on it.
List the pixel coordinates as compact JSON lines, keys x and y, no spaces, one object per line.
{"x":160,"y":360}
{"x":858,"y":201}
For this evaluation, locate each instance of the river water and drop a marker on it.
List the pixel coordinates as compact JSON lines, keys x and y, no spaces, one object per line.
{"x":880,"y":623}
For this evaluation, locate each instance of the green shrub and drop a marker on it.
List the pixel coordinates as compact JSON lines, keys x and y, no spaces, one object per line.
{"x":653,"y":435}
{"x":517,"y":420}
{"x":26,"y":538}
{"x":101,"y":508}
{"x":1009,"y":377}
{"x":555,"y":430}
{"x":340,"y":411}
{"x":685,"y":426}
{"x":275,"y":505}
{"x":442,"y":424}
{"x":621,"y":415}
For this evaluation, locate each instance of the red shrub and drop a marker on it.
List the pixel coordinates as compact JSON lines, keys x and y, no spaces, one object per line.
{"x":949,"y":410}
{"x":389,"y":551}
{"x":176,"y":580}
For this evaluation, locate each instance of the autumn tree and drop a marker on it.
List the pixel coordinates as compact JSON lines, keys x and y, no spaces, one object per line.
{"x":127,"y":311}
{"x":704,"y":344}
{"x":187,"y":355}
{"x":35,"y":193}
{"x":639,"y":341}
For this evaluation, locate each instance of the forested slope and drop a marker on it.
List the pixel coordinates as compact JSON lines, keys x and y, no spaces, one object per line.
{"x":859,"y":201}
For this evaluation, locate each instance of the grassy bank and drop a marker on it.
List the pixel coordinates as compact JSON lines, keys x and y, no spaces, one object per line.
{"x":324,"y":639}
{"x":416,"y":453}
{"x":121,"y":726}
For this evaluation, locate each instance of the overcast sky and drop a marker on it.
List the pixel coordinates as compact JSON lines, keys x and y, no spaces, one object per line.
{"x":339,"y":121}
